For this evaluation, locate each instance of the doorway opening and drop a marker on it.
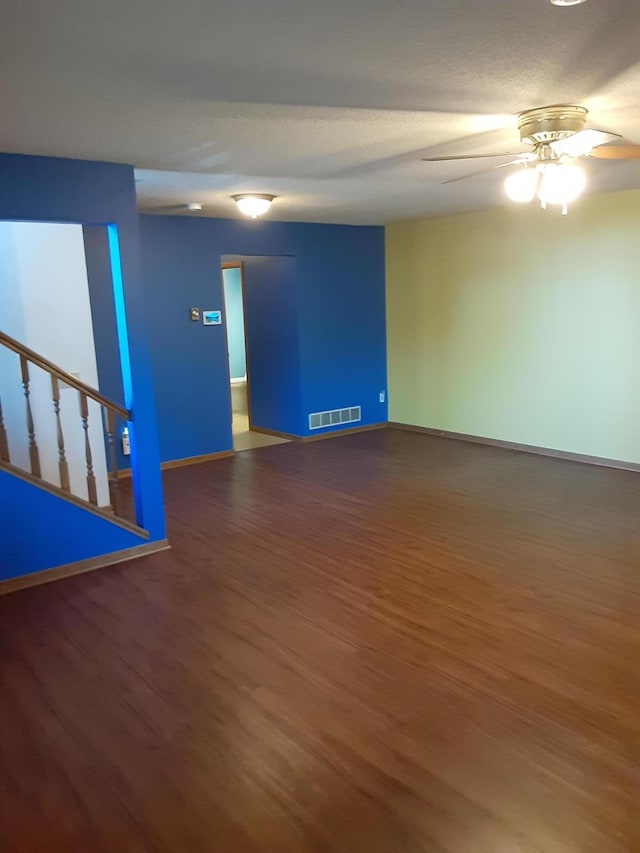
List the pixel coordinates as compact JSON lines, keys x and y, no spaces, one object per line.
{"x":62,"y":374}
{"x":246,"y":434}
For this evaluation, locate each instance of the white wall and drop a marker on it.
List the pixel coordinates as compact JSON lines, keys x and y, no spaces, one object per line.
{"x":44,"y":303}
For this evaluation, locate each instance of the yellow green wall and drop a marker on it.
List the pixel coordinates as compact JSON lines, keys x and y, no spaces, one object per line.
{"x":520,"y":325}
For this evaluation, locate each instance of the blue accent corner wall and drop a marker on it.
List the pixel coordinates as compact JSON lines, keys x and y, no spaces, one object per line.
{"x":333,"y":308}
{"x":45,"y":189}
{"x":40,"y":531}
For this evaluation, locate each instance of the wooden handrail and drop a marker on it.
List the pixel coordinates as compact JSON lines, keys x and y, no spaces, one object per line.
{"x":63,"y":376}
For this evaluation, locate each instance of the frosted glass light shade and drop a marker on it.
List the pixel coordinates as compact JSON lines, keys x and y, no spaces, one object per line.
{"x":561,"y":183}
{"x":553,"y":183}
{"x":522,"y":185}
{"x":253,"y":204}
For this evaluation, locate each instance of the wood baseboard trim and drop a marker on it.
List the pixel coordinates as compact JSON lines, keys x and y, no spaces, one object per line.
{"x":602,"y":461}
{"x":288,"y":435}
{"x":196,"y":460}
{"x":82,"y":566}
{"x":338,"y":433}
{"x":181,"y":463}
{"x":305,"y":439}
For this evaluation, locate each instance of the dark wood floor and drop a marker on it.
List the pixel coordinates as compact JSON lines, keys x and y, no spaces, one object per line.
{"x":385,"y":642}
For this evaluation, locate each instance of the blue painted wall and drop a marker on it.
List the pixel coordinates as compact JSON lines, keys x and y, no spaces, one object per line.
{"x":56,"y":190}
{"x":273,"y":346}
{"x":339,"y":308}
{"x":234,"y":319}
{"x":342,"y":321}
{"x":31,"y":517}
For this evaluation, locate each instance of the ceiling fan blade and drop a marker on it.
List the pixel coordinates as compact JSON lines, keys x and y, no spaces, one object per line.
{"x":582,"y":143}
{"x":473,"y":156}
{"x":486,"y":171}
{"x":616,"y":152}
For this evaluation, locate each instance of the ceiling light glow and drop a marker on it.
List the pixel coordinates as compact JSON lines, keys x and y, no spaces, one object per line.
{"x":553,"y":183}
{"x":253,"y":204}
{"x":522,"y":185}
{"x":579,"y":144}
{"x":567,"y":2}
{"x":561,"y":183}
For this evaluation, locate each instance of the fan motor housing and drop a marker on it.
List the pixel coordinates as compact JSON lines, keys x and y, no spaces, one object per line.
{"x":548,"y":124}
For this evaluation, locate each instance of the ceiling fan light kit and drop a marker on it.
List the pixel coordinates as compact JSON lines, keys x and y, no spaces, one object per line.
{"x":558,"y":138}
{"x":557,"y":183}
{"x":253,"y":204}
{"x":554,"y":179}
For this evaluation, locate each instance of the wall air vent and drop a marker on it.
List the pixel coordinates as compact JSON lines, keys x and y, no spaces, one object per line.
{"x":336,"y":417}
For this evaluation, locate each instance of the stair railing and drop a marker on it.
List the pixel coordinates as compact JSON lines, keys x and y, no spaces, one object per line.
{"x":110,"y":411}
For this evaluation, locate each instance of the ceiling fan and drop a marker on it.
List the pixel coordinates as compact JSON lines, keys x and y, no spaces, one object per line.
{"x":551,"y":170}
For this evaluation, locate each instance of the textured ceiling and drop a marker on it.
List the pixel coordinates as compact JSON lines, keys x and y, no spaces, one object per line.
{"x":328,"y":104}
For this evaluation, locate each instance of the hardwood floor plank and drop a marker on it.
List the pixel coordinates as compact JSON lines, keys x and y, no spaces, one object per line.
{"x":389,"y":642}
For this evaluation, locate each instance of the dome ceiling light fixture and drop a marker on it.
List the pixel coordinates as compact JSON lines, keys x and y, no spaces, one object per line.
{"x":194,"y":207}
{"x":253,"y":204}
{"x":567,"y":2}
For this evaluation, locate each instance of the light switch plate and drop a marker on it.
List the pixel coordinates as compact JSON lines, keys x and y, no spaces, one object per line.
{"x":194,"y":313}
{"x":212,"y":318}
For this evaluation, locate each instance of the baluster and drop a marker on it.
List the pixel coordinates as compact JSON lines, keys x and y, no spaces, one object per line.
{"x":91,"y":480}
{"x":63,"y":467}
{"x":114,"y":483}
{"x":34,"y":456}
{"x":4,"y":442}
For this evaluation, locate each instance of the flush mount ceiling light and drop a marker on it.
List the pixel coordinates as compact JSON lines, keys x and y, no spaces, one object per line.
{"x":567,"y":2}
{"x":253,"y":204}
{"x":194,"y":207}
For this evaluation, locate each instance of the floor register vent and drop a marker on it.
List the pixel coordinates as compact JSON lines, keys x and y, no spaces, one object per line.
{"x":337,"y":416}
